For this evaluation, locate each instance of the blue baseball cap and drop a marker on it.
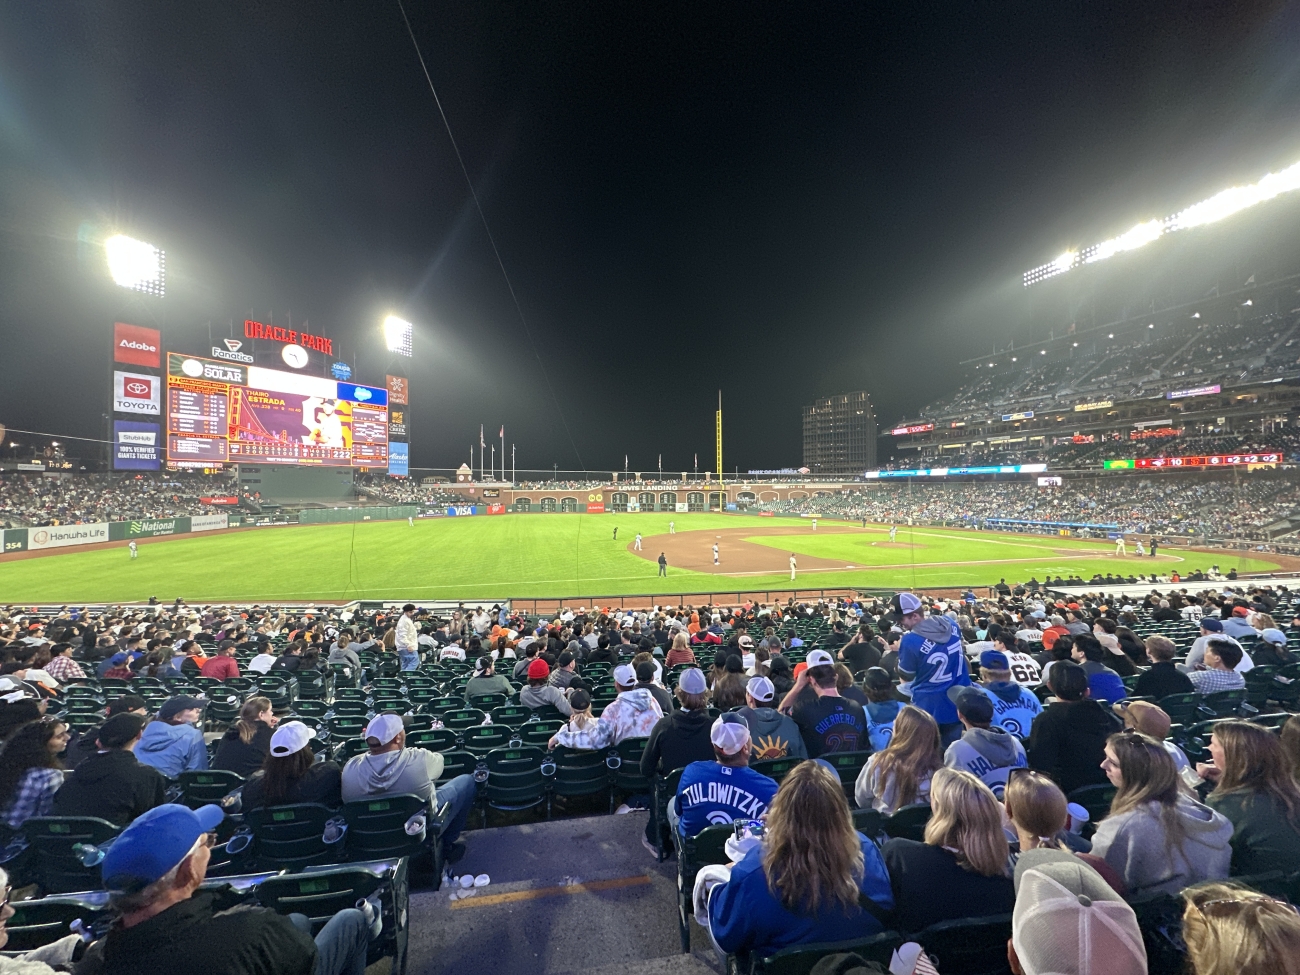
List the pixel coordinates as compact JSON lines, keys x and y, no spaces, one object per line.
{"x":155,"y":843}
{"x":994,"y":660}
{"x":1212,"y":625}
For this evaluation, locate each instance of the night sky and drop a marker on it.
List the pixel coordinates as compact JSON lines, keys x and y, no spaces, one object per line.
{"x":778,"y":200}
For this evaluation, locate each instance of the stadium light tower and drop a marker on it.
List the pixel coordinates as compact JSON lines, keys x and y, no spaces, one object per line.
{"x":1221,"y":205}
{"x":136,"y":265}
{"x":397,"y":335}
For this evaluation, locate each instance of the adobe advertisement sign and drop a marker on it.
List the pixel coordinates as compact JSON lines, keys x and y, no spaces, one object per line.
{"x":136,"y":393}
{"x":136,"y":446}
{"x":136,"y":345}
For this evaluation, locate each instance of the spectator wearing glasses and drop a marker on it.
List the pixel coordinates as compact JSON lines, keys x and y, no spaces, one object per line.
{"x":1230,"y":930}
{"x":153,"y":871}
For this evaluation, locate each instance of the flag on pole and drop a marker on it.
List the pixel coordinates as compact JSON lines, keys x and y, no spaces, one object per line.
{"x":481,"y":441}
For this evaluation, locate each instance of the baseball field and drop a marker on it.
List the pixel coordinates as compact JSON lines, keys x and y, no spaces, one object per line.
{"x":563,"y":556}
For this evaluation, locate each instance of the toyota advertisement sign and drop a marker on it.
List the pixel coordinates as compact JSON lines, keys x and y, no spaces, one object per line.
{"x":136,"y":446}
{"x":137,"y":393}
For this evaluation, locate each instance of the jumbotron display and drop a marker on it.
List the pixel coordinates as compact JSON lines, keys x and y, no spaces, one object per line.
{"x":220,"y":413}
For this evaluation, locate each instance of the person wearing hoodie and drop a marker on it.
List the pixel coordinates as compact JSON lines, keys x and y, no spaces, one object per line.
{"x":111,"y":784}
{"x":171,"y":743}
{"x":1014,"y":707}
{"x":1068,"y":740}
{"x":984,"y":750}
{"x":883,"y":706}
{"x":389,"y":768}
{"x":1156,"y":837}
{"x":931,"y":658}
{"x":773,"y":734}
{"x":633,"y":714}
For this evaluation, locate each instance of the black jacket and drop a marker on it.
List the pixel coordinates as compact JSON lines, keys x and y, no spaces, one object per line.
{"x":1163,"y":679}
{"x":679,"y":738}
{"x":323,"y":783}
{"x":235,"y":756}
{"x":193,"y":938}
{"x":1068,"y":742}
{"x":112,"y":785}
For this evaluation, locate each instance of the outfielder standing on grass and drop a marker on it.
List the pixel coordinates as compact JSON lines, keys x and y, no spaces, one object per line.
{"x":131,"y":546}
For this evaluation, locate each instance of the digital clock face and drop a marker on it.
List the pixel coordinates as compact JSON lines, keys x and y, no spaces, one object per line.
{"x":295,"y":356}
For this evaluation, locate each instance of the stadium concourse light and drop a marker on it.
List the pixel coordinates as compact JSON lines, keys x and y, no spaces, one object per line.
{"x":135,"y":264}
{"x":397,"y":335}
{"x":1224,"y":204}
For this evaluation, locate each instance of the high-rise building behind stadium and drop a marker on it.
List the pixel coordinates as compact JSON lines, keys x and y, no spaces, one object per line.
{"x":839,"y":434}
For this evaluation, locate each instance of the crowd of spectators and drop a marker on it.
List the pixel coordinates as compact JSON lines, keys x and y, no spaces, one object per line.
{"x":1197,"y":507}
{"x":983,"y":719}
{"x":1195,"y":352}
{"x":28,"y":499}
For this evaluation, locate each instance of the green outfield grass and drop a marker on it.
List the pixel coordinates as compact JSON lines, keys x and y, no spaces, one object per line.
{"x":537,"y":555}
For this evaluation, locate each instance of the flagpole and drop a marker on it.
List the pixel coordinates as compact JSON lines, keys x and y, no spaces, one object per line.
{"x":503,"y":451}
{"x":513,"y":471}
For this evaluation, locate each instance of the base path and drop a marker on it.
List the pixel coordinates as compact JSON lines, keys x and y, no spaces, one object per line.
{"x":694,"y":550}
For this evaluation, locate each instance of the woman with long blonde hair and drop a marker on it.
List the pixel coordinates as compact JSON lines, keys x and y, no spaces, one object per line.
{"x":1231,"y":930}
{"x":1156,"y":836}
{"x":963,"y":867}
{"x":1255,"y":791}
{"x":805,"y":881}
{"x":900,"y":775}
{"x":1038,"y":812}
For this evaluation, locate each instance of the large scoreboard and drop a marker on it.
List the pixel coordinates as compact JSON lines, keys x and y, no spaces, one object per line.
{"x":219,"y":412}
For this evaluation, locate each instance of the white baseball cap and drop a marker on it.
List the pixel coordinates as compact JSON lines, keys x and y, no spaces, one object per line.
{"x":624,"y":675}
{"x":384,"y":727}
{"x":820,"y":658}
{"x":290,"y":738}
{"x":730,"y":733}
{"x":692,"y":681}
{"x":761,"y":689}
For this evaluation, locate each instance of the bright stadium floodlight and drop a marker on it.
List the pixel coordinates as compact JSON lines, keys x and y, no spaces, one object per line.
{"x":397,"y":335}
{"x":135,"y":264}
{"x":1221,"y":205}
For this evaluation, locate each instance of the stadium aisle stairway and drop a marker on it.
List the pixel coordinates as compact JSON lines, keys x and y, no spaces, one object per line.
{"x":530,"y":920}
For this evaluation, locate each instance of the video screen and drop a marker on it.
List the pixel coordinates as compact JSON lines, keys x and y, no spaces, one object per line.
{"x":272,"y":417}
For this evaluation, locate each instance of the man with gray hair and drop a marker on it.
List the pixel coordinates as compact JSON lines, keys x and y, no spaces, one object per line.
{"x":153,"y":871}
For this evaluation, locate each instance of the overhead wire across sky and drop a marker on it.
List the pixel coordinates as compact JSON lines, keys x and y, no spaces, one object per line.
{"x":488,"y":230}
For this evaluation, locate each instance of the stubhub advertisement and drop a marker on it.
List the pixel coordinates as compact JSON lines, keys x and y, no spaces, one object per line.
{"x":136,"y":446}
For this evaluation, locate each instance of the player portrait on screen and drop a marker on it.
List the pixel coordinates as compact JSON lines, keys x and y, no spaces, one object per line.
{"x":324,"y":420}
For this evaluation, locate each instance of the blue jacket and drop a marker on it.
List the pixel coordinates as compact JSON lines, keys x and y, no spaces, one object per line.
{"x":172,"y":748}
{"x":932,"y":653}
{"x":744,"y":916}
{"x":880,"y":723}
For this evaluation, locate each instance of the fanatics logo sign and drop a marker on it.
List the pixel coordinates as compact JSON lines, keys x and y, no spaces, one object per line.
{"x":136,"y":345}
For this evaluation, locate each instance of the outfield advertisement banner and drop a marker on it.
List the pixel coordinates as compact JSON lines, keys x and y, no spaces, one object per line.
{"x":682,"y":507}
{"x":461,"y":509}
{"x":496,"y":509}
{"x":58,"y":536}
{"x":148,"y":528}
{"x":597,"y":508}
{"x":208,"y":523}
